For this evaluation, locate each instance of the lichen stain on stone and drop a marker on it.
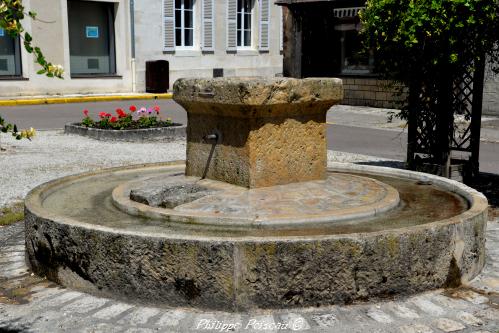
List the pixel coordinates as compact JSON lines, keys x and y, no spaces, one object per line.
{"x":393,"y":244}
{"x":453,"y":276}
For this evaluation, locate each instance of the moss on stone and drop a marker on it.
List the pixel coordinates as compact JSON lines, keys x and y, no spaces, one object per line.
{"x":12,"y":214}
{"x":393,"y":243}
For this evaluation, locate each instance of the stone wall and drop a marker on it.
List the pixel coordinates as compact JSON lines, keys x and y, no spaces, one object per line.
{"x":491,"y":94}
{"x":369,"y":91}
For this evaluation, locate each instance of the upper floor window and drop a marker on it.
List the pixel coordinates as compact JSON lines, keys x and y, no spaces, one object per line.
{"x":10,"y":55}
{"x":184,"y":23}
{"x":244,"y":18}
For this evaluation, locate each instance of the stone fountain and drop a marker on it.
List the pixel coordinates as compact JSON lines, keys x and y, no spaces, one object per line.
{"x":255,"y":218}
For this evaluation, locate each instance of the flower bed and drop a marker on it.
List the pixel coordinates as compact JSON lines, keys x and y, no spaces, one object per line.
{"x":135,"y":119}
{"x":138,"y":124}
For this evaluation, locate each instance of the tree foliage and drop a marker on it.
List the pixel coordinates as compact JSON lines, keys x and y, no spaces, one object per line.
{"x":12,"y":12}
{"x":423,"y":41}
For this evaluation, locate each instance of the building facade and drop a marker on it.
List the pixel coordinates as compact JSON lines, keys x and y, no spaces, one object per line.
{"x":209,"y":38}
{"x":104,"y":45}
{"x":90,"y":39}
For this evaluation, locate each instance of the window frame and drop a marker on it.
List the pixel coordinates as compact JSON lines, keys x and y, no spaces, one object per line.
{"x":182,"y":27}
{"x":240,"y":31}
{"x":111,"y":22}
{"x":18,"y":67}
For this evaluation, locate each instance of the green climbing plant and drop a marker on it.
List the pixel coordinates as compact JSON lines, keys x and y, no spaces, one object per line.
{"x":12,"y":128}
{"x":12,"y":12}
{"x":423,"y":41}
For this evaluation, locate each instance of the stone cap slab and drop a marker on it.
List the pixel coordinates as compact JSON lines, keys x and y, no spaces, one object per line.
{"x":258,"y":91}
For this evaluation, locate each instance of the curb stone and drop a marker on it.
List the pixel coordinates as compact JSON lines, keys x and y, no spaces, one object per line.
{"x":80,"y":99}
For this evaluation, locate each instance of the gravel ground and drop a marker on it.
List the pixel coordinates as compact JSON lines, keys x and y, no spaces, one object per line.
{"x":52,"y":154}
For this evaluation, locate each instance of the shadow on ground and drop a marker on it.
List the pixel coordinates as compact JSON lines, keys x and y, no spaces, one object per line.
{"x":389,"y":164}
{"x":488,"y":184}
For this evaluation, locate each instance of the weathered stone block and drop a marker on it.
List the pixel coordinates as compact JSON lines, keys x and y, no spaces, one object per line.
{"x":270,"y":131}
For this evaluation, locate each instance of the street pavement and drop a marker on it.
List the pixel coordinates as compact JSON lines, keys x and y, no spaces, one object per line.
{"x":359,"y":130}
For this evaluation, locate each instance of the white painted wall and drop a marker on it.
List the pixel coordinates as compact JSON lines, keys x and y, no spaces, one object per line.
{"x":195,"y":63}
{"x":54,"y":40}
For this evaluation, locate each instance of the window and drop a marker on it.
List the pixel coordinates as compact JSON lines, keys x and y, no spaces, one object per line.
{"x":353,"y":60}
{"x":184,"y":23}
{"x":244,"y":8}
{"x":91,"y":38}
{"x":10,"y":55}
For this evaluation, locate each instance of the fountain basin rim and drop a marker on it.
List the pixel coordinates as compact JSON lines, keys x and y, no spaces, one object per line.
{"x":477,"y":205}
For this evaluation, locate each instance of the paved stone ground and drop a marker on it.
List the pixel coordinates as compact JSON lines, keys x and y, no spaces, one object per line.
{"x":32,"y":304}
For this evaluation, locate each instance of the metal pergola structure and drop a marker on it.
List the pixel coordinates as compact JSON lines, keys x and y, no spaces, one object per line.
{"x":444,"y":130}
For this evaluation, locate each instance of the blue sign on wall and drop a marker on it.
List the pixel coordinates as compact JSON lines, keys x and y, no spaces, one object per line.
{"x":2,"y":32}
{"x":92,"y":32}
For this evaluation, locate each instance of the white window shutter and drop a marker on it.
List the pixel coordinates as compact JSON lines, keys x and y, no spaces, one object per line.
{"x":168,"y":25}
{"x":263,"y":44}
{"x":208,"y":32}
{"x":231,"y":25}
{"x":281,"y":29}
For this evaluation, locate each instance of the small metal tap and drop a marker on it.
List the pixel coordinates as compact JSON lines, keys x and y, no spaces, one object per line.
{"x":209,"y":137}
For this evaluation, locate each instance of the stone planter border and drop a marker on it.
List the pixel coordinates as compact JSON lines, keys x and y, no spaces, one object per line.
{"x":175,"y":132}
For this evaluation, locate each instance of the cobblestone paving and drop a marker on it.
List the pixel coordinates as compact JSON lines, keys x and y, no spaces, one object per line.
{"x":31,"y":304}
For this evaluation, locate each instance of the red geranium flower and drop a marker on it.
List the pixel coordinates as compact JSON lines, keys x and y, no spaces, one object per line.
{"x":113,"y":119}
{"x":85,"y":112}
{"x":156,"y":108}
{"x":102,"y":114}
{"x":133,"y":108}
{"x":121,"y":113}
{"x":108,"y":115}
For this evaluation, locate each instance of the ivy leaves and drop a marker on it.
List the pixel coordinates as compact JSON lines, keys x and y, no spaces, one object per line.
{"x":11,"y":14}
{"x":6,"y":128}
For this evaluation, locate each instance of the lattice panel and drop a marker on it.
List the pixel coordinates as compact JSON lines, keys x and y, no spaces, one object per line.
{"x":426,"y":127}
{"x":431,"y":128}
{"x":463,"y":109}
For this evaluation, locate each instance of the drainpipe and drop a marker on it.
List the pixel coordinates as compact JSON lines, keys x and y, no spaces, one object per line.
{"x":132,"y":42}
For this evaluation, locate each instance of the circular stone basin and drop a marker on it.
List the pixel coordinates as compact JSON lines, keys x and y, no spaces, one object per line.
{"x":290,"y":249}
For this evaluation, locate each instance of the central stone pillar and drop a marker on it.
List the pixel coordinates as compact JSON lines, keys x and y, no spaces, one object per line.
{"x":257,"y":132}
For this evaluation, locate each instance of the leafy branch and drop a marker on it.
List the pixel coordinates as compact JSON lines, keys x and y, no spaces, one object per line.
{"x":12,"y":128}
{"x":12,"y":12}
{"x":422,"y":41}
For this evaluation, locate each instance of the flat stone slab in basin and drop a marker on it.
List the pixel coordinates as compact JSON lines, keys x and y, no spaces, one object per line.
{"x":340,"y":197}
{"x":171,"y":133}
{"x":170,"y":192}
